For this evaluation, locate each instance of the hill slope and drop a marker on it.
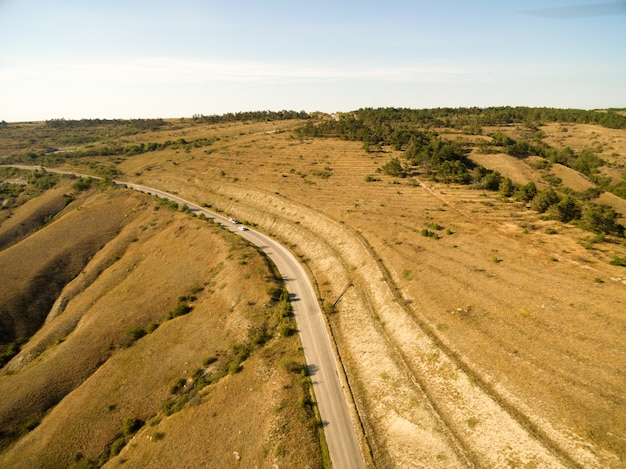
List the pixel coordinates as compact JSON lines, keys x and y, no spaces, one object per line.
{"x":473,"y":329}
{"x":167,"y":333}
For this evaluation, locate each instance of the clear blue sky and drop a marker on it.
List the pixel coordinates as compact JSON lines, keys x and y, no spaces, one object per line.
{"x":133,"y":58}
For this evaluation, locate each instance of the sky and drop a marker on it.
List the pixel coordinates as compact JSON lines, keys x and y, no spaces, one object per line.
{"x":78,"y":59}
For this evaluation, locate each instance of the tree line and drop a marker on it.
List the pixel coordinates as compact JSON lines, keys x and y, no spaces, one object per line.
{"x":426,"y":154}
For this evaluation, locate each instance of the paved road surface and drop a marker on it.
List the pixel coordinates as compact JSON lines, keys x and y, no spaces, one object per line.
{"x":322,"y":365}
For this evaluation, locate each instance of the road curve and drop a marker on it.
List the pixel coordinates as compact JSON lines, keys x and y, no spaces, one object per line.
{"x":321,"y":362}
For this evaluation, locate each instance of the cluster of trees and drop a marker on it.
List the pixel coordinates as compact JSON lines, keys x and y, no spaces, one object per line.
{"x":585,"y":161}
{"x":138,"y":124}
{"x":446,"y":161}
{"x":258,"y":116}
{"x":49,"y":157}
{"x":392,"y":124}
{"x":139,"y":148}
{"x":565,"y":208}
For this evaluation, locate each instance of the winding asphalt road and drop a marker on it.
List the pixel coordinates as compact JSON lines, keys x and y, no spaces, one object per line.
{"x":331,"y":399}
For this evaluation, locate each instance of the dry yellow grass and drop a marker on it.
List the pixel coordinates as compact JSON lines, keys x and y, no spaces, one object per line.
{"x":80,"y":377}
{"x":499,"y":344}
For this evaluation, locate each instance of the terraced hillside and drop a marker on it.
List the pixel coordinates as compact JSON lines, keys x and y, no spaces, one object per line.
{"x":473,"y":328}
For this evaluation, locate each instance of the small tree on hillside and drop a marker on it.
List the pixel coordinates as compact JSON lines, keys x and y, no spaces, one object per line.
{"x":544,"y":200}
{"x":394,"y":168}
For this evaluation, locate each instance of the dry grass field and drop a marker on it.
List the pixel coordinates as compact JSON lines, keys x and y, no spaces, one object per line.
{"x":496,"y":341}
{"x":118,"y":372}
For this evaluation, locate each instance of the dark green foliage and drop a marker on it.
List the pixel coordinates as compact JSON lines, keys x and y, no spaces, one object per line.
{"x":83,"y":184}
{"x":566,"y":210}
{"x":485,"y":179}
{"x":293,"y":366}
{"x":526,"y":193}
{"x":42,"y":180}
{"x":30,"y":425}
{"x":552,"y":179}
{"x":178,"y":385}
{"x":258,"y":335}
{"x":117,"y":446}
{"x":132,"y":334}
{"x":135,"y":333}
{"x":601,"y":219}
{"x":429,"y":234}
{"x":587,"y":162}
{"x":621,"y":261}
{"x":286,"y":330}
{"x":10,"y":350}
{"x":507,"y":188}
{"x":544,"y":199}
{"x":589,"y":194}
{"x":131,"y":426}
{"x":394,"y":168}
{"x":180,"y":310}
{"x":209,"y":360}
{"x":259,"y":116}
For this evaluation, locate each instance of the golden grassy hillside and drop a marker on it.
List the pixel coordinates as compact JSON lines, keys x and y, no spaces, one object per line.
{"x":164,"y":343}
{"x":473,"y":330}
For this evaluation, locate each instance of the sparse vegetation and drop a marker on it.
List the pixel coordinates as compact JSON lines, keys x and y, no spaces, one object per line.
{"x":512,"y":183}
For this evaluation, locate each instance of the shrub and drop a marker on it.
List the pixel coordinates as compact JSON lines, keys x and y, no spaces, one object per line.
{"x":286,"y":331}
{"x":178,"y":385}
{"x":135,"y":333}
{"x":30,"y":425}
{"x":429,"y":234}
{"x":292,"y":366}
{"x":83,"y":184}
{"x":180,"y":310}
{"x":209,"y":360}
{"x":117,"y":446}
{"x":621,"y":261}
{"x":526,"y":193}
{"x":601,"y":219}
{"x":566,"y":210}
{"x":131,"y":426}
{"x":544,"y":200}
{"x":394,"y":168}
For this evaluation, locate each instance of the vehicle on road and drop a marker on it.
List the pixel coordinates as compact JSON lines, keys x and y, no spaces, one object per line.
{"x":234,"y":220}
{"x":243,"y":228}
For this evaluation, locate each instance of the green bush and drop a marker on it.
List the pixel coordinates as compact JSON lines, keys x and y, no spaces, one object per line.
{"x":621,"y":261}
{"x":429,"y":234}
{"x":526,"y":193}
{"x":601,"y":219}
{"x":117,"y":446}
{"x":544,"y":200}
{"x":286,"y":331}
{"x":566,"y":210}
{"x":131,"y":426}
{"x":178,"y":385}
{"x":135,"y":333}
{"x":180,"y":310}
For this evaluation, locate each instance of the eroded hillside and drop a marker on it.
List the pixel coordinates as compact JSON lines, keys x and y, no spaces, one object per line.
{"x":146,"y":336}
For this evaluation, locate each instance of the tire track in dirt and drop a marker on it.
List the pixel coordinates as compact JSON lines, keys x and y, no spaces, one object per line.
{"x":532,"y":429}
